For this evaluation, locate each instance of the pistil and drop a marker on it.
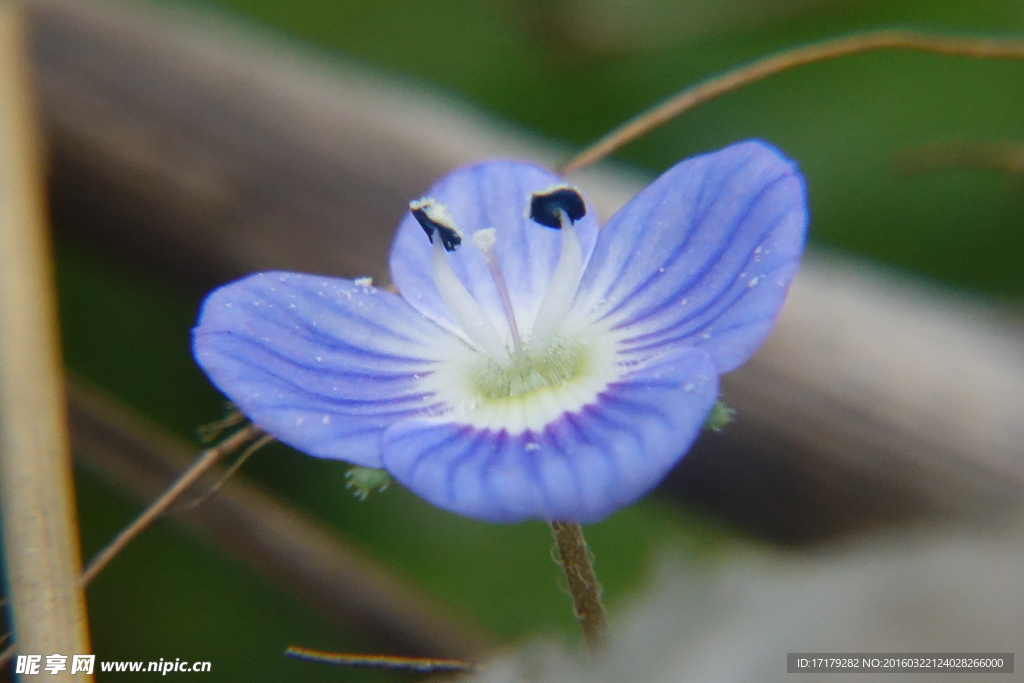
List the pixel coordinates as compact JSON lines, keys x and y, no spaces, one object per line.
{"x":485,"y":240}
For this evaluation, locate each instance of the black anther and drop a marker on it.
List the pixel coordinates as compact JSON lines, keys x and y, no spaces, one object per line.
{"x":450,"y":237}
{"x":546,"y":206}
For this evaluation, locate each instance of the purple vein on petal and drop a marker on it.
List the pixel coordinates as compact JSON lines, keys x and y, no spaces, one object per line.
{"x":714,"y":300}
{"x":328,"y":364}
{"x":413,"y":468}
{"x":704,"y":208}
{"x":453,"y":466}
{"x":698,"y":276}
{"x":658,"y":338}
{"x":336,"y":402}
{"x":487,"y":466}
{"x":319,"y":402}
{"x":295,"y":322}
{"x":725,"y":245}
{"x":533,"y":465}
{"x":572,"y":421}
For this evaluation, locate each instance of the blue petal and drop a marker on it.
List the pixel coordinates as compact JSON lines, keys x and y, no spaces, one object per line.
{"x":582,"y":467}
{"x":703,"y":256}
{"x":322,"y":364}
{"x":495,"y":195}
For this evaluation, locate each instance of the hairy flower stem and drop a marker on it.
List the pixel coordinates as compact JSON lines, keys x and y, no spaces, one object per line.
{"x":583,"y":585}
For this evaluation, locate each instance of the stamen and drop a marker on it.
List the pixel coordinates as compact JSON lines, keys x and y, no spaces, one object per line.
{"x":484,"y":240}
{"x":545,"y":206}
{"x":562,"y":290}
{"x":463,"y":307}
{"x":559,"y":207}
{"x":433,"y":217}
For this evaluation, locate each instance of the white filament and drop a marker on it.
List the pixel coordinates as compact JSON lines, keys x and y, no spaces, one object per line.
{"x":463,"y":307}
{"x":484,"y":240}
{"x":561,"y":291}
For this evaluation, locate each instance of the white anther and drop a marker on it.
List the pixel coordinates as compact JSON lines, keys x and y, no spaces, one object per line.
{"x":485,"y":239}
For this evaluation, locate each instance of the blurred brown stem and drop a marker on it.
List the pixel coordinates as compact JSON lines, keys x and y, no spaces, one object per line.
{"x":36,"y":490}
{"x":202,"y":464}
{"x":736,"y":78}
{"x":1004,"y":155}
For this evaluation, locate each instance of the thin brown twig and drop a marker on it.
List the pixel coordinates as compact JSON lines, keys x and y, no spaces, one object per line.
{"x":229,"y":472}
{"x":423,"y":665}
{"x":574,"y":556}
{"x":210,"y":431}
{"x":694,"y":96}
{"x":207,"y":459}
{"x":306,"y":559}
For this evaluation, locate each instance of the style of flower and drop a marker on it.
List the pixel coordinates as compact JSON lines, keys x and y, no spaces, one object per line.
{"x":534,"y":365}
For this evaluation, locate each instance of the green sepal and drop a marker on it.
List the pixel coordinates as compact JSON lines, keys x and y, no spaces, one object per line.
{"x":364,"y":480}
{"x":719,"y":416}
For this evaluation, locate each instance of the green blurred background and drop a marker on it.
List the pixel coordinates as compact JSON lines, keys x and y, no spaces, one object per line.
{"x":570,"y":70}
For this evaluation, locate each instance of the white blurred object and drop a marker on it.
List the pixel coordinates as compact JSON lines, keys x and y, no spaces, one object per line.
{"x":951,"y":592}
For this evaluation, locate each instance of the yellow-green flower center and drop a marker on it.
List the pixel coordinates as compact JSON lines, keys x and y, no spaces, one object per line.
{"x":563,"y":362}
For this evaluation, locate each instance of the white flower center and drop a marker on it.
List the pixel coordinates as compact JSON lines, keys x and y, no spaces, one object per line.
{"x":558,"y":367}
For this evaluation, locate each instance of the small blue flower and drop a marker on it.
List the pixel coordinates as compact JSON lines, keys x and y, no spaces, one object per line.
{"x":534,"y":365}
